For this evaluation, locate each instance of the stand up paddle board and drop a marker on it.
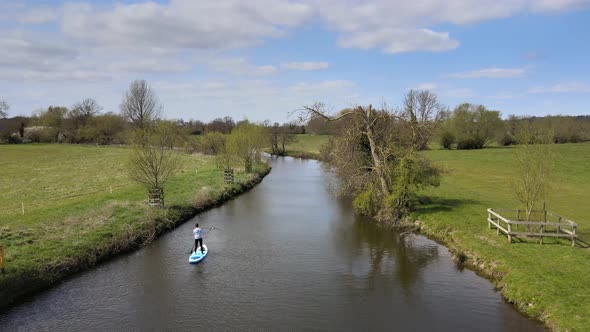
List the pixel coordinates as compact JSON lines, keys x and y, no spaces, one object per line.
{"x":198,"y":256}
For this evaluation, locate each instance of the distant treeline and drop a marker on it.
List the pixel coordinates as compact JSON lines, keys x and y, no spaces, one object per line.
{"x":471,"y":126}
{"x":468,"y":126}
{"x":83,"y":124}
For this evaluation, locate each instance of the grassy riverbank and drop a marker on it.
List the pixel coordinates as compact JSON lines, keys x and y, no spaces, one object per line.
{"x":306,"y":146}
{"x":549,"y":281}
{"x":80,"y":208}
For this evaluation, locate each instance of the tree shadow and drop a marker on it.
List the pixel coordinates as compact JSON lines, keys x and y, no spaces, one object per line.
{"x":440,"y":204}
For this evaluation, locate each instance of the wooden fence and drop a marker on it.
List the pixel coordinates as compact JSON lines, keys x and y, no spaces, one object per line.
{"x":549,"y":225}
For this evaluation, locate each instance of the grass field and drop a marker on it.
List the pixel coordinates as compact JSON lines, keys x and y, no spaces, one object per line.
{"x":549,"y":281}
{"x":307,"y":146}
{"x":71,"y":214}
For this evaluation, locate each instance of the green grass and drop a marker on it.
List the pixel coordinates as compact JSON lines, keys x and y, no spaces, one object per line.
{"x":549,"y":281}
{"x":72,"y":218}
{"x":307,"y":146}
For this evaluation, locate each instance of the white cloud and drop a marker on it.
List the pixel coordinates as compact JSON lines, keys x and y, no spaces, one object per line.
{"x":491,"y":73}
{"x":402,"y":26}
{"x":399,"y":40}
{"x":305,"y":66}
{"x":183,"y":24}
{"x":240,"y":66}
{"x":575,"y":86}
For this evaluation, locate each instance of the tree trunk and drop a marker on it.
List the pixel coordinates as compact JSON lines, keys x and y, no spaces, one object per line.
{"x":376,"y":160}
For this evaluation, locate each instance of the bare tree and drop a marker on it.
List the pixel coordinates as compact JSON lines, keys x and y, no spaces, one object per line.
{"x":82,"y":111}
{"x":533,"y":159}
{"x":141,"y":105}
{"x":3,"y":109}
{"x":154,"y":161}
{"x":425,"y":112}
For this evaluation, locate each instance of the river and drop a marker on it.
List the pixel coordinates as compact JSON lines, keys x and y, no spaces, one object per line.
{"x":287,"y":255}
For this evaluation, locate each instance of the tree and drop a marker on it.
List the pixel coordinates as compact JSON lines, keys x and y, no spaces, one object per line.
{"x":140,"y":105}
{"x":533,"y":161}
{"x":374,"y":157}
{"x":425,"y":113}
{"x":153,"y":162}
{"x":4,"y":107}
{"x":109,"y":128}
{"x":474,"y":126}
{"x":246,"y":142}
{"x":54,"y":118}
{"x":279,"y":138}
{"x":82,"y":111}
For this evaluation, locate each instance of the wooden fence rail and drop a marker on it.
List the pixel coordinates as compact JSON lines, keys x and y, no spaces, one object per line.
{"x":551,"y":225}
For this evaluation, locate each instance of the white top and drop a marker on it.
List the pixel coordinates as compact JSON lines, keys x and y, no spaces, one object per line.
{"x":198,"y":233}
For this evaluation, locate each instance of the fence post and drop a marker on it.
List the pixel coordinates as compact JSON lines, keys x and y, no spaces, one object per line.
{"x":574,"y":236}
{"x":509,"y":231}
{"x":517,"y":215}
{"x":559,"y":225}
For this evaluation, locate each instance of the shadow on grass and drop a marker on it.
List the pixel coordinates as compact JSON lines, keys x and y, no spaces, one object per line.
{"x":430,"y":205}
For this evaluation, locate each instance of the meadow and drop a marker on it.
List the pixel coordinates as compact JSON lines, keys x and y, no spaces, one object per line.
{"x":550,"y":282}
{"x":80,"y":207}
{"x":306,"y":146}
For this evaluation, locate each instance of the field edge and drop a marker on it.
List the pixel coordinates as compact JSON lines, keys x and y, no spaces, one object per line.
{"x":18,"y":287}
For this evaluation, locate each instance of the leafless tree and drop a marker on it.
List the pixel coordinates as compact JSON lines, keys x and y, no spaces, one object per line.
{"x":3,"y":108}
{"x":425,"y":112}
{"x":154,"y":161}
{"x":533,"y":164}
{"x":82,"y":111}
{"x":141,"y":105}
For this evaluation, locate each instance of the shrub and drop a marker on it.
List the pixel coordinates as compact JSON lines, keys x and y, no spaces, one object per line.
{"x":471,"y":143}
{"x":446,"y":140}
{"x":212,"y":143}
{"x":506,"y":140}
{"x":366,"y":202}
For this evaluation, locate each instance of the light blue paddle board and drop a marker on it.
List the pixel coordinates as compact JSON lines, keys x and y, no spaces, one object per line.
{"x":197,"y":257}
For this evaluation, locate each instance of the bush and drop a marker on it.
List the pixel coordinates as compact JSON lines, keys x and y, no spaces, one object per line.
{"x":471,"y":143}
{"x":212,"y":143}
{"x":14,"y":139}
{"x":506,"y":140}
{"x":366,"y":202}
{"x":446,"y":140}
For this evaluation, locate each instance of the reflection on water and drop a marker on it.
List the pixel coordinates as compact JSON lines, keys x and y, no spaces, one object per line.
{"x":286,"y":256}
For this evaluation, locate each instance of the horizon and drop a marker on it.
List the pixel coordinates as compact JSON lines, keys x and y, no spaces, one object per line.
{"x":263,"y":59}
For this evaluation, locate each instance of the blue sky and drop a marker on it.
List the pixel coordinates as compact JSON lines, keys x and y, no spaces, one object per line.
{"x":262,"y":59}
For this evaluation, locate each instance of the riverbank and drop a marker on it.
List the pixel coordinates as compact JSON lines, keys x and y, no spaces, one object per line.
{"x":306,"y":146}
{"x":549,"y":282}
{"x":80,"y":210}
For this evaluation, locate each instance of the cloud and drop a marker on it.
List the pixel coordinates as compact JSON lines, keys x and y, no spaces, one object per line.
{"x":240,"y":66}
{"x":491,"y":73}
{"x":183,"y":24}
{"x":305,"y":66}
{"x":399,"y":40}
{"x":403,"y":26}
{"x":565,"y":87}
